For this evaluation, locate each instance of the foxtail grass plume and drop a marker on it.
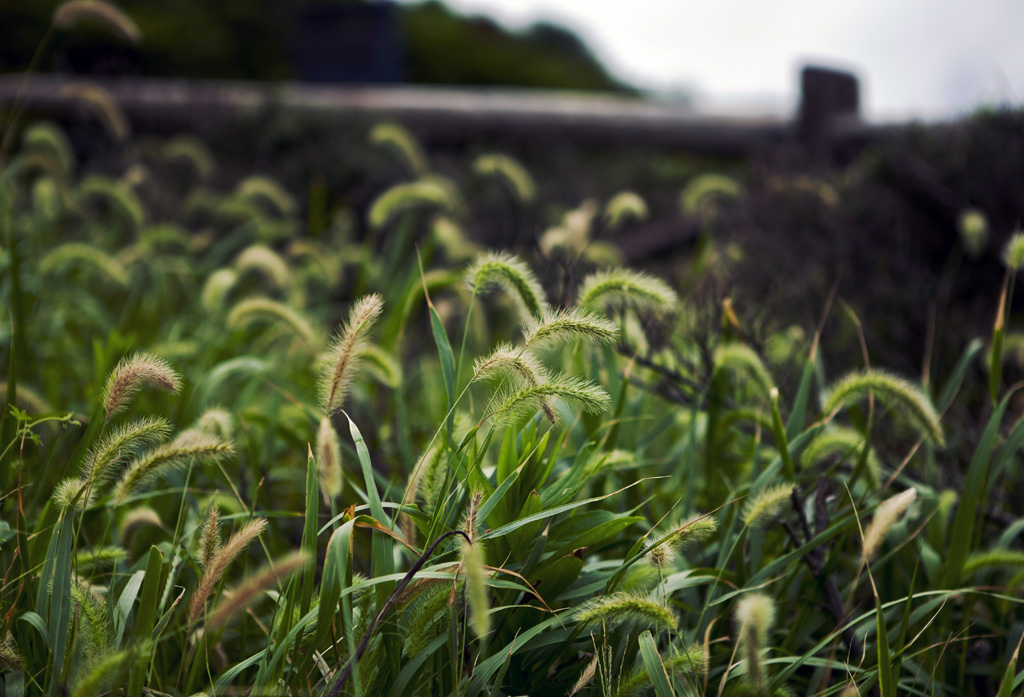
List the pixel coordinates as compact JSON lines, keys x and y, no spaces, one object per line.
{"x":973,"y":231}
{"x":381,"y":365}
{"x":891,"y":390}
{"x":515,"y":176}
{"x":115,"y":195}
{"x":514,"y":277}
{"x":402,"y":142}
{"x":74,"y":494}
{"x":661,"y":556}
{"x":186,"y":148}
{"x":755,"y":616}
{"x":218,"y":422}
{"x":887,"y":515}
{"x":111,"y":17}
{"x":470,"y":521}
{"x":605,"y":290}
{"x":253,"y":309}
{"x":203,"y":448}
{"x":736,"y":357}
{"x":450,"y":236}
{"x":248,"y":590}
{"x":51,"y":139}
{"x":586,"y":677}
{"x":328,"y":460}
{"x":261,"y":188}
{"x":1013,"y":252}
{"x":691,"y":660}
{"x":133,"y":373}
{"x":106,"y":557}
{"x":219,"y":562}
{"x":10,"y":657}
{"x":694,"y":531}
{"x":766,"y":504}
{"x":645,"y":611}
{"x":625,"y":205}
{"x":343,"y":355}
{"x":266,"y":261}
{"x":579,"y":395}
{"x":402,"y":197}
{"x":209,"y":542}
{"x":102,"y":104}
{"x":137,"y":518}
{"x":121,"y":442}
{"x":471,"y":557}
{"x":84,"y":255}
{"x":564,"y":326}
{"x":509,"y":362}
{"x":95,"y":634}
{"x":841,"y":442}
{"x":700,"y":194}
{"x":216,"y":289}
{"x":993,"y":559}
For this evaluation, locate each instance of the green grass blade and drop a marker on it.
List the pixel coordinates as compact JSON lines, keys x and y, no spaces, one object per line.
{"x":655,"y":668}
{"x":803,"y":393}
{"x":383,"y":559}
{"x":963,"y":525}
{"x":145,"y":619}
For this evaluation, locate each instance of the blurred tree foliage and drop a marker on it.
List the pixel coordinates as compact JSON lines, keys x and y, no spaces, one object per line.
{"x":256,"y":40}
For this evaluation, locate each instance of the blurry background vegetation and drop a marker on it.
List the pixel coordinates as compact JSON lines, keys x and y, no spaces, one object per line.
{"x":268,"y":40}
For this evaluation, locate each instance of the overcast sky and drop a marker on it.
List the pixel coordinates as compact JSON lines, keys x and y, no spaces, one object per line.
{"x":923,"y":58}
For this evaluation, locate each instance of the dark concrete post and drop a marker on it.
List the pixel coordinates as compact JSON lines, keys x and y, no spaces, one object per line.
{"x":826,"y":95}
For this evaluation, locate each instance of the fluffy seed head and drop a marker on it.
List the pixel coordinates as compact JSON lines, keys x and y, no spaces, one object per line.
{"x":700,"y":195}
{"x":623,"y":206}
{"x":694,"y":531}
{"x":107,"y":14}
{"x":80,"y":254}
{"x":133,"y":373}
{"x":649,"y":612}
{"x":73,"y":494}
{"x":402,"y":197}
{"x":472,"y":561}
{"x":508,"y":362}
{"x":258,"y":188}
{"x":564,"y":326}
{"x":253,"y":309}
{"x":247,"y":591}
{"x":218,"y":422}
{"x":137,"y":518}
{"x":887,"y":515}
{"x":515,"y":176}
{"x":399,"y":140}
{"x":102,"y":104}
{"x":343,"y":355}
{"x":219,"y":562}
{"x":638,"y":291}
{"x":328,"y":460}
{"x":209,"y":542}
{"x":766,"y":505}
{"x":1013,"y":252}
{"x":973,"y":231}
{"x":265,"y":260}
{"x":580,"y":395}
{"x":216,"y":289}
{"x":755,"y":615}
{"x":197,"y":446}
{"x":891,"y":390}
{"x":513,"y":275}
{"x":739,"y":358}
{"x":124,"y":440}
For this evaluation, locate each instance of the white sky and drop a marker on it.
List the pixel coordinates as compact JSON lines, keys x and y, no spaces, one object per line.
{"x":915,"y":58}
